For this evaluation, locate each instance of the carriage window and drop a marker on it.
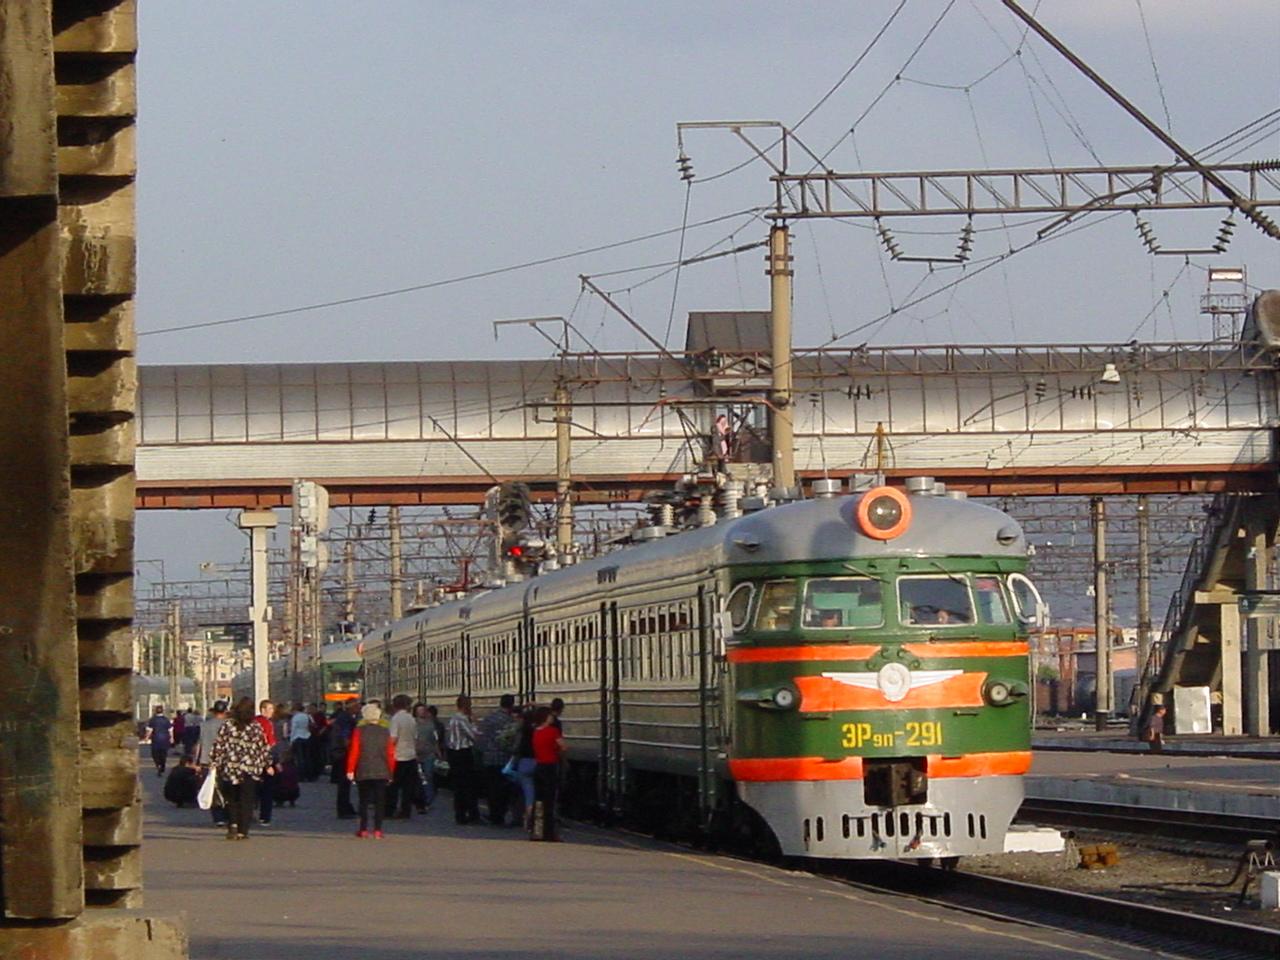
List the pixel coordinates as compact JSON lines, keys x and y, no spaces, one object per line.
{"x":990,"y":600}
{"x":777,"y":605}
{"x":739,"y":605}
{"x":935,"y":601}
{"x":842,"y":603}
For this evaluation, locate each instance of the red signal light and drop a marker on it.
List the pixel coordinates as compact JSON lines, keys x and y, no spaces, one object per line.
{"x":516,"y":551}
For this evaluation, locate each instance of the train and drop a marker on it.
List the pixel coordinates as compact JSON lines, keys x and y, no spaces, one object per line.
{"x":842,"y":677}
{"x":336,"y":676}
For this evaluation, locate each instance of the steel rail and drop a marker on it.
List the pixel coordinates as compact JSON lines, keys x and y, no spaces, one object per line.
{"x":1135,"y":924}
{"x":1175,"y":824}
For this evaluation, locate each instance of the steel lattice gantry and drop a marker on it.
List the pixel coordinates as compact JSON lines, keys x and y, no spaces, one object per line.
{"x":994,"y":420}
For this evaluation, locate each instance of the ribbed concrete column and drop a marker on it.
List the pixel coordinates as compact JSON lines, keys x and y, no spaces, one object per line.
{"x":40,"y":855}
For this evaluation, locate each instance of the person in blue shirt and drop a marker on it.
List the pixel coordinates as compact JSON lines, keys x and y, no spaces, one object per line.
{"x":160,"y":736}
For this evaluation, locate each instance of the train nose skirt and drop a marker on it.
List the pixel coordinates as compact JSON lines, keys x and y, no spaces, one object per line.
{"x":831,"y":819}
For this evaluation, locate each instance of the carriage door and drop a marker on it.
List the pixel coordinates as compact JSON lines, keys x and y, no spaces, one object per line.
{"x":605,"y":686}
{"x":611,"y":707}
{"x":708,"y":702}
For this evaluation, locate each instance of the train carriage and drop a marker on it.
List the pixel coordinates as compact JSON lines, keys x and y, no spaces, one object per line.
{"x":337,"y":676}
{"x":850,"y":673}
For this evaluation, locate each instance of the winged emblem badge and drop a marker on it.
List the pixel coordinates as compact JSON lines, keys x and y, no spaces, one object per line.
{"x":894,"y":680}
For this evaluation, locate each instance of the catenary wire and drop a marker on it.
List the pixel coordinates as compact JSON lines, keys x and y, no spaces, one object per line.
{"x":483,"y":274}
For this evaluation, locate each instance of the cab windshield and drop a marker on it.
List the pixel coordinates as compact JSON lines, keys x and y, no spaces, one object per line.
{"x":842,"y":603}
{"x":940,"y":601}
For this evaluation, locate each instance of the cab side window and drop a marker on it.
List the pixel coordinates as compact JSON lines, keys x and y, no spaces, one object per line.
{"x":777,"y":606}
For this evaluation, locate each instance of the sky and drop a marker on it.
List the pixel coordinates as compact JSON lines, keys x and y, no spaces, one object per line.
{"x":294,"y":155}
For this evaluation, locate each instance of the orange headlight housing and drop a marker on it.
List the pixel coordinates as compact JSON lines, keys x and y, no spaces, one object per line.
{"x":883,"y":513}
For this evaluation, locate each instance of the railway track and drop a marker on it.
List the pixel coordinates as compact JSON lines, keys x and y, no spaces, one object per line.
{"x":1174,"y":824}
{"x":1135,"y":924}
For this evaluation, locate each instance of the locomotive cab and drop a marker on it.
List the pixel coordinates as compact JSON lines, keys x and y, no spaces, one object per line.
{"x":879,"y":677}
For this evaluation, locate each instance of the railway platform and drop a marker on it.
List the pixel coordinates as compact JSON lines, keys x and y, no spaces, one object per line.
{"x":306,"y":887}
{"x":1214,"y":776}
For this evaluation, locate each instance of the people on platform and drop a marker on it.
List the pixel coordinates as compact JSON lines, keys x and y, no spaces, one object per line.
{"x":242,"y":758}
{"x":285,"y":783}
{"x":403,"y":730}
{"x":426,"y":743}
{"x":525,"y":765}
{"x":319,"y":741}
{"x":548,"y":748}
{"x":460,"y":742}
{"x":160,"y":736}
{"x":190,"y":731}
{"x":300,"y":739}
{"x":266,"y":802}
{"x":370,"y":765}
{"x":340,"y":731}
{"x":209,"y":728}
{"x":182,"y":784}
{"x":1153,"y":732}
{"x":494,"y":739}
{"x":179,"y":726}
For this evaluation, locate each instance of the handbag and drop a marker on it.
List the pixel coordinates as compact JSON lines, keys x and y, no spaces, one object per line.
{"x":204,"y":799}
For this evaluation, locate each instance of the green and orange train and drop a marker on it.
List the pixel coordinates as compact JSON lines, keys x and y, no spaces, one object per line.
{"x":844,"y":677}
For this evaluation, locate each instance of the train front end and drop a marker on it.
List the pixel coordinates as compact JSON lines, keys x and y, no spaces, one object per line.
{"x":877,"y":692}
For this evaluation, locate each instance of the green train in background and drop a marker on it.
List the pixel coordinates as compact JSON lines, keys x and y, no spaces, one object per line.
{"x":840,"y":677}
{"x":337,"y":676}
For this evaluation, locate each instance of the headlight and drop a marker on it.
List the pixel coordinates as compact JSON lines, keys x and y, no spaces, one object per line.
{"x":1001,"y":693}
{"x":785,"y":697}
{"x":997,"y":693}
{"x":883,"y":513}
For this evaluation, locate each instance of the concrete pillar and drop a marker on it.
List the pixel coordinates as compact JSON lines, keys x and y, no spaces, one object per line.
{"x":1232,"y":712}
{"x":40,"y":793}
{"x":259,"y":523}
{"x":1256,"y":680}
{"x":1101,"y":618}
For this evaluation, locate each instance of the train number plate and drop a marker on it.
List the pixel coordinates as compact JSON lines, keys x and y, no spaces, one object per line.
{"x":914,"y":733}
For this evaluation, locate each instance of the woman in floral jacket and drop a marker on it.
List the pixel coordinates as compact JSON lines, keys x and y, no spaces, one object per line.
{"x":241,"y":756}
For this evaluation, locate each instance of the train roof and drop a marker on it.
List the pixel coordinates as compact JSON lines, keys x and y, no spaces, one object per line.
{"x":805,"y":530}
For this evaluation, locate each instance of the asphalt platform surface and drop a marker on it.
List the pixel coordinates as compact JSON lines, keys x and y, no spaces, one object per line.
{"x":306,"y":887}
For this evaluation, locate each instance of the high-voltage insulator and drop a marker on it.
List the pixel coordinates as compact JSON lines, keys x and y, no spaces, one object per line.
{"x":1224,"y":234}
{"x":886,"y":238}
{"x":966,"y":242}
{"x":685,"y":165}
{"x":1147,"y":234}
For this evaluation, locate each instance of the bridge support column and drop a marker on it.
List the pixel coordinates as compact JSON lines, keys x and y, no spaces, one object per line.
{"x":259,"y":523}
{"x":1229,"y":634}
{"x":1257,"y":705}
{"x":1105,"y":701}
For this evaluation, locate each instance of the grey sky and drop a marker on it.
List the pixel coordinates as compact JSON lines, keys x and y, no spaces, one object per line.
{"x":295,"y":153}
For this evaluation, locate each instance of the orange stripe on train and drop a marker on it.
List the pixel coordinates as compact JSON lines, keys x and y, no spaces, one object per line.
{"x":823,"y":695}
{"x":782,"y":769}
{"x":865,"y":651}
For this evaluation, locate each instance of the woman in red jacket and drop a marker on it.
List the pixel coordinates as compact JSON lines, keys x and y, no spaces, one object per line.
{"x":370,"y":762}
{"x":548,"y":748}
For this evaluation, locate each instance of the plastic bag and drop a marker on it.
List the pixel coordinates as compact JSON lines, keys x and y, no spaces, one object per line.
{"x":204,"y":799}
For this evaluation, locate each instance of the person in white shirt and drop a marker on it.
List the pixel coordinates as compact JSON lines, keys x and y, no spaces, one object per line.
{"x":300,"y":740}
{"x":404,"y":783}
{"x":460,"y":740}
